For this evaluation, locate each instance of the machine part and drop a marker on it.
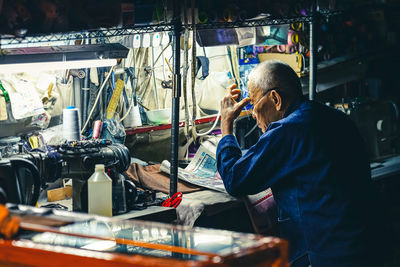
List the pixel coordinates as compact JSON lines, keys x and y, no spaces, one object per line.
{"x":79,"y":160}
{"x":3,"y":196}
{"x":85,"y":96}
{"x":47,"y":162}
{"x":78,"y":73}
{"x":20,"y":180}
{"x":167,"y":84}
{"x":131,"y":194}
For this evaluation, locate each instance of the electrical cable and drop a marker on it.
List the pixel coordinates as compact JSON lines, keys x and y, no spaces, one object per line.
{"x":133,"y":98}
{"x":252,"y":130}
{"x":212,"y":127}
{"x":148,"y":81}
{"x":154,"y":78}
{"x":194,"y":102}
{"x":151,"y":72}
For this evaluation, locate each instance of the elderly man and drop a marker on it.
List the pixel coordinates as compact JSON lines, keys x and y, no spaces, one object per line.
{"x":313,"y":158}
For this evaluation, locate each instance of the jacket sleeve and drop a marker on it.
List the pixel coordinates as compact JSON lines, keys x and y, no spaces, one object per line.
{"x":256,"y":170}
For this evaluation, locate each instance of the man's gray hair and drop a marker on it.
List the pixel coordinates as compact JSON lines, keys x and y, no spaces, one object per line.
{"x":276,"y":74}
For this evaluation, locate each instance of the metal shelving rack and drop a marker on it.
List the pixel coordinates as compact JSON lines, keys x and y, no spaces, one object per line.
{"x":89,"y":34}
{"x":251,"y":23}
{"x":176,"y":28}
{"x":177,"y":31}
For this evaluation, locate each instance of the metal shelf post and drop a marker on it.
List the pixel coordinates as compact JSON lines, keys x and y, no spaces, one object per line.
{"x":313,"y":62}
{"x":177,"y":29}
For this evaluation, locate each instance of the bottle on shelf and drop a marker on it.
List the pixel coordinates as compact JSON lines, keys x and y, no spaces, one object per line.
{"x":100,"y":192}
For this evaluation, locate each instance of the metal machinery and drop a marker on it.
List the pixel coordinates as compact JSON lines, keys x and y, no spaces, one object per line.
{"x":22,"y":174}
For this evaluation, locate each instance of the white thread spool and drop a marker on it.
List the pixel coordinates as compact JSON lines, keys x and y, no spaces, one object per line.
{"x":71,"y":124}
{"x":133,"y":118}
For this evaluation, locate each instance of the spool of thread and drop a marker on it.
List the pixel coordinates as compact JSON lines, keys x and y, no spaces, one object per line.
{"x":133,"y":119}
{"x":281,"y":48}
{"x":97,"y":126}
{"x":71,"y":124}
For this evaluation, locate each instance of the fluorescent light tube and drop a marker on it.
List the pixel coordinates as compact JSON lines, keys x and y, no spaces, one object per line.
{"x":56,"y":65}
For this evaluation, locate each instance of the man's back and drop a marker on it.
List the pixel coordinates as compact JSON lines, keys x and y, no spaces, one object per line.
{"x":337,"y":205}
{"x":315,"y":162}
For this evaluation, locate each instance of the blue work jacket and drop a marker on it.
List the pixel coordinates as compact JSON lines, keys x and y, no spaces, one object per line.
{"x":316,"y":165}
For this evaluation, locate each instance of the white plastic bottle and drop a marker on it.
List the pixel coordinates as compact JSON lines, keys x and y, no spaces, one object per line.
{"x":100,"y":192}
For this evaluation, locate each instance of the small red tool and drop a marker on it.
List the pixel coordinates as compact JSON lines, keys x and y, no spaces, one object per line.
{"x":173,"y":201}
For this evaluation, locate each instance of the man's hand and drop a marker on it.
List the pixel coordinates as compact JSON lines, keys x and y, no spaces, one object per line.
{"x":230,"y":109}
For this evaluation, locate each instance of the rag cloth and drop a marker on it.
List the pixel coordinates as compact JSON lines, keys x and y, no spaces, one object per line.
{"x":150,"y":177}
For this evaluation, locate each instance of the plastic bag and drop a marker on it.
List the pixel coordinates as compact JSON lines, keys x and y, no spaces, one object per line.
{"x":114,"y":130}
{"x":212,"y":89}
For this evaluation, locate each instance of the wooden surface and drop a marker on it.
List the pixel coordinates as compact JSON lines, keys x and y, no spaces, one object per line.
{"x":59,"y":193}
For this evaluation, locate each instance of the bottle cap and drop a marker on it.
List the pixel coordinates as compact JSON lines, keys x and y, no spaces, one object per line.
{"x":99,"y":167}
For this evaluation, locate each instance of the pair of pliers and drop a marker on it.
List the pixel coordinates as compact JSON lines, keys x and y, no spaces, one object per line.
{"x":173,"y":201}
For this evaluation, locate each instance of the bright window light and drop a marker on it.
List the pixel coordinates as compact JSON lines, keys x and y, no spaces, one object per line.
{"x":57,"y":65}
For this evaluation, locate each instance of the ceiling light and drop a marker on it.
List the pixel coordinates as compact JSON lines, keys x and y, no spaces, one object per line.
{"x":60,"y":57}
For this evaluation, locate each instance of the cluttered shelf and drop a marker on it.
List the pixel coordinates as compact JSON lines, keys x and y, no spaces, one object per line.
{"x":261,"y":22}
{"x":89,"y":34}
{"x":150,"y":28}
{"x":250,"y":23}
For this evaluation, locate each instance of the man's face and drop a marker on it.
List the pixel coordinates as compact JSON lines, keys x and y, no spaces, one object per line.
{"x":264,"y":109}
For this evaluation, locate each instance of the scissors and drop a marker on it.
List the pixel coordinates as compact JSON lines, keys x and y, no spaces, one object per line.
{"x":173,"y":201}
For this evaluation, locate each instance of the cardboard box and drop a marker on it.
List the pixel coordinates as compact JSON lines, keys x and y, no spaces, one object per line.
{"x":291,"y":59}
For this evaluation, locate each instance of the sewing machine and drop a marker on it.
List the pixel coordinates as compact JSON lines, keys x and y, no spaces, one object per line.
{"x":75,"y":160}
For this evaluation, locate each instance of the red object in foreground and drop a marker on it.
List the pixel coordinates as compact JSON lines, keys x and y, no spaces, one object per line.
{"x":173,"y":201}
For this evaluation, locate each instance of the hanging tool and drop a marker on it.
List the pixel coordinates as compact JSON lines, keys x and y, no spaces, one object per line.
{"x":154,"y":78}
{"x":131,"y":74}
{"x":96,"y":101}
{"x":112,"y":105}
{"x":49,"y":90}
{"x":169,"y":65}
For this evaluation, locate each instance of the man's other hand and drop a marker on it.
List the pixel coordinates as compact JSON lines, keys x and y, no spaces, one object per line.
{"x":230,"y":109}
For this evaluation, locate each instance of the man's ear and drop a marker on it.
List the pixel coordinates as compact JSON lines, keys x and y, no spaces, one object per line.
{"x":277,"y":99}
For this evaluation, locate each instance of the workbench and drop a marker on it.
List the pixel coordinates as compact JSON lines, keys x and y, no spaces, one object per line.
{"x":151,"y":213}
